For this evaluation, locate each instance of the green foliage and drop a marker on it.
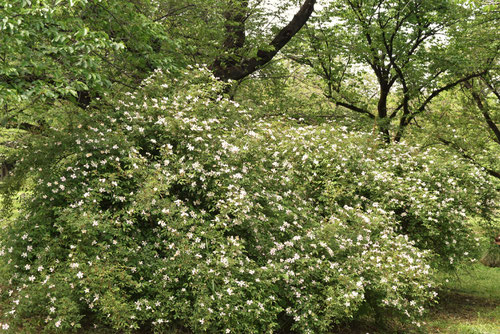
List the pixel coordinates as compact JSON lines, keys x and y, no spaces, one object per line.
{"x":60,"y":53}
{"x":176,"y":208}
{"x":431,"y":192}
{"x":455,"y":121}
{"x":48,"y":51}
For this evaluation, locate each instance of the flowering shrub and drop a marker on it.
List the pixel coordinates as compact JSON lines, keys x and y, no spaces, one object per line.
{"x":177,"y":209}
{"x":432,"y":194}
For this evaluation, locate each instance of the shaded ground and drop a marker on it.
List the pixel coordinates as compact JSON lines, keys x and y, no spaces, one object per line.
{"x":469,"y":304}
{"x":460,"y":312}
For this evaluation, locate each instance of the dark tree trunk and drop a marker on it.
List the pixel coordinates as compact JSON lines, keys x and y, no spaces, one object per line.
{"x":403,"y":122}
{"x":405,"y":118}
{"x":234,"y":40}
{"x":228,"y":66}
{"x":383,"y":120}
{"x":5,"y":168}
{"x":235,"y":24}
{"x":84,"y":98}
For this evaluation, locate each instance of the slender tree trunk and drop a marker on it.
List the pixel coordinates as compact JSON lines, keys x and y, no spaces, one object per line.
{"x":383,"y":120}
{"x":405,"y":118}
{"x":403,"y":122}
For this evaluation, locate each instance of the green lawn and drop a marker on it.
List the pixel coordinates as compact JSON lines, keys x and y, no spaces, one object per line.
{"x":469,"y":303}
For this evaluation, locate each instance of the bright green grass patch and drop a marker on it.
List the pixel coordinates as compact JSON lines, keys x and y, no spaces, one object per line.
{"x":477,"y":280}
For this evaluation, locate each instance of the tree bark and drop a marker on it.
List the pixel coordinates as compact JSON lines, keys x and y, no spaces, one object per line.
{"x":383,"y":120}
{"x":227,"y":70}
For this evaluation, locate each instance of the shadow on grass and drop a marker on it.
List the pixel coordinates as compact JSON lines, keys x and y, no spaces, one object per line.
{"x":469,"y":304}
{"x":458,"y":305}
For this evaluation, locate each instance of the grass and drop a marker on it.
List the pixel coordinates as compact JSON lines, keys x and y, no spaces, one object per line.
{"x":469,"y":303}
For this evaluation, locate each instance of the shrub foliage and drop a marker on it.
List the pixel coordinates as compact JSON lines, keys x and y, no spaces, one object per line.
{"x":176,"y":208}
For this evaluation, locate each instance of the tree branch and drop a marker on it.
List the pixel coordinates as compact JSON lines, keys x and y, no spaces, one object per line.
{"x":492,"y":172}
{"x":352,"y":107}
{"x":264,"y":55}
{"x":442,"y":89}
{"x":484,"y":110}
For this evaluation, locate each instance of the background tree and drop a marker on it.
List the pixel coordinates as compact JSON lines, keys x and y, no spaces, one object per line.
{"x":467,"y":120}
{"x":399,"y":44}
{"x":232,"y":63}
{"x":78,"y":49}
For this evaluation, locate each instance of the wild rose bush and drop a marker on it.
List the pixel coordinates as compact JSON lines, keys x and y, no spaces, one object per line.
{"x":178,"y":209}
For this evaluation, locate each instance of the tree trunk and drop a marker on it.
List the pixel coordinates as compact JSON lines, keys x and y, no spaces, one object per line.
{"x":229,"y":67}
{"x":383,"y":120}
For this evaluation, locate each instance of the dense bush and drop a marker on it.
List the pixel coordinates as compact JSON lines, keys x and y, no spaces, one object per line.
{"x":177,"y":209}
{"x":433,"y":194}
